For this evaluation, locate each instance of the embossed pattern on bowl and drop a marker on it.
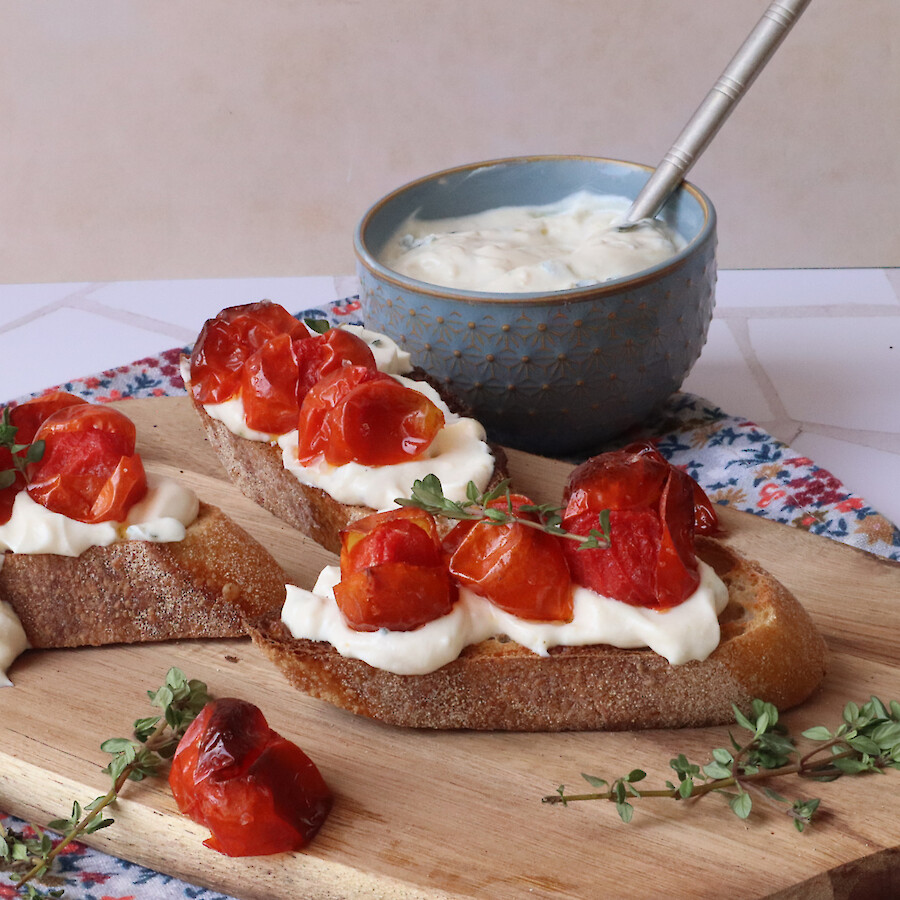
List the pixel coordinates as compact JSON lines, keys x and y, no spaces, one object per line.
{"x":558,"y":372}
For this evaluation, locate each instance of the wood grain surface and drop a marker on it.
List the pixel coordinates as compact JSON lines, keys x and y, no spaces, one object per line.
{"x":439,"y":814}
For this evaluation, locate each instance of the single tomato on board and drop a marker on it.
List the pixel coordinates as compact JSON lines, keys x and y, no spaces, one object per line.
{"x":255,"y":791}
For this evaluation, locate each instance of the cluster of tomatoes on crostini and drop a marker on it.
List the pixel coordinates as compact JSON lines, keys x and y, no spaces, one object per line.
{"x":398,"y":573}
{"x":325,"y":385}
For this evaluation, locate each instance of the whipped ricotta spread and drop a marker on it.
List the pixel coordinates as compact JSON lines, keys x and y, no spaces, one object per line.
{"x":685,"y":632}
{"x":162,"y":516}
{"x":459,"y":453}
{"x":573,"y":242}
{"x":12,"y":640}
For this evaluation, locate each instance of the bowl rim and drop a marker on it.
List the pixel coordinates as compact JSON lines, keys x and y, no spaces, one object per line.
{"x":592,"y":292}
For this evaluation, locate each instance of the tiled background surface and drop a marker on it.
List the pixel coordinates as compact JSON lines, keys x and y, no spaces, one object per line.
{"x":811,"y":355}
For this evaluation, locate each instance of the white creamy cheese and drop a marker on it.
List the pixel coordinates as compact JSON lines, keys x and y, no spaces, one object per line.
{"x":688,"y":631}
{"x":514,"y":249}
{"x":389,"y":357}
{"x":458,"y":454}
{"x":12,"y":639}
{"x":165,"y":512}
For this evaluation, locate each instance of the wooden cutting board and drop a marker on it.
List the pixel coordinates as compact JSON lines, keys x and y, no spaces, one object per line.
{"x":422,"y":814}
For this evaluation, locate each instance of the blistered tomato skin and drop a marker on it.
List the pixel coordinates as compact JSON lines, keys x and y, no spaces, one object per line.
{"x":89,"y":471}
{"x":355,"y":414}
{"x":651,"y":560}
{"x":255,"y":791}
{"x":227,"y":341}
{"x":706,"y":520}
{"x":393,"y":572}
{"x":27,"y":417}
{"x":520,"y":569}
{"x":322,"y":354}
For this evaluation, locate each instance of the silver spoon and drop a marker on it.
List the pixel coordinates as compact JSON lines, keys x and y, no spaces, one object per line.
{"x":703,"y":126}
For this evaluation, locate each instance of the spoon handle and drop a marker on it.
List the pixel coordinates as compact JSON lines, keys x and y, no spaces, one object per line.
{"x":733,"y":83}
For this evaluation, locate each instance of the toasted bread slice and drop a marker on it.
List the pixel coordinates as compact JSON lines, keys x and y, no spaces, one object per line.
{"x":256,"y":469}
{"x":769,"y":649}
{"x":135,"y":591}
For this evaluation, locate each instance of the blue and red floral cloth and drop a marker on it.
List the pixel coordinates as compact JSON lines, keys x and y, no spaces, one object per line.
{"x":737,"y":463}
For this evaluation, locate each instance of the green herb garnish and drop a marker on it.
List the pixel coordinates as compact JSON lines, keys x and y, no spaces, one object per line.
{"x":319,"y":326}
{"x":29,"y":858}
{"x":22,"y":454}
{"x":428,"y":494}
{"x":867,"y":740}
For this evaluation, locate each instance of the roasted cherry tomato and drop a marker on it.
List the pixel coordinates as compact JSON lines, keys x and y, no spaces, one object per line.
{"x":651,"y":560}
{"x":255,"y":791}
{"x":27,"y":418}
{"x":706,"y":520}
{"x":407,"y":534}
{"x":228,"y":340}
{"x":393,"y":573}
{"x":30,"y":415}
{"x":364,"y":416}
{"x":89,"y":470}
{"x":268,"y":386}
{"x":322,"y":354}
{"x":518,"y":568}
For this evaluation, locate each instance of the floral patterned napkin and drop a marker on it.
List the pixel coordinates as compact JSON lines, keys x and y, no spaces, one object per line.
{"x":736,"y":462}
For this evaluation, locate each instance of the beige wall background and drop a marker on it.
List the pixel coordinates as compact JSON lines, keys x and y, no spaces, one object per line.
{"x":153,"y":138}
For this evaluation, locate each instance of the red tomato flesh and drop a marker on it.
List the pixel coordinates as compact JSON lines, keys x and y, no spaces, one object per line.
{"x":518,"y":568}
{"x":358,"y":415}
{"x":89,"y":470}
{"x":406,"y":534}
{"x":651,"y":560}
{"x":322,"y":354}
{"x":706,"y":521}
{"x":268,"y":386}
{"x":30,"y":415}
{"x":228,"y":340}
{"x":27,"y":417}
{"x":395,"y":595}
{"x":256,"y":792}
{"x":393,"y":572}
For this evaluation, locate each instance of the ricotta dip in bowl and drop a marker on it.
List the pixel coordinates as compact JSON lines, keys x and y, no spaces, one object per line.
{"x":508,"y":282}
{"x":571,"y":243}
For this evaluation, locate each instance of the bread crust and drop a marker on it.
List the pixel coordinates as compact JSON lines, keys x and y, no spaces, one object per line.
{"x":769,"y":649}
{"x":134,"y":591}
{"x":257,"y":471}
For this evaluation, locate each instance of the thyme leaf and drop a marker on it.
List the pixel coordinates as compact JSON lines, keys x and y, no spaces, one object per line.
{"x":428,"y":494}
{"x":866,"y":740}
{"x":29,"y":858}
{"x":22,"y":454}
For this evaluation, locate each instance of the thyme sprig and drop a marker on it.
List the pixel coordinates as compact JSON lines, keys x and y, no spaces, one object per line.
{"x":867,"y":740}
{"x":22,"y":454}
{"x":428,"y":494}
{"x":30,"y":858}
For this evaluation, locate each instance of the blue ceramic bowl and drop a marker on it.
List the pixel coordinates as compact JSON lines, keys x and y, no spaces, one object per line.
{"x":558,"y":372}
